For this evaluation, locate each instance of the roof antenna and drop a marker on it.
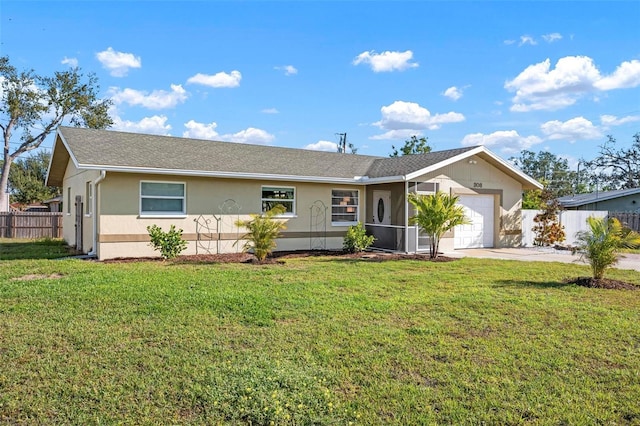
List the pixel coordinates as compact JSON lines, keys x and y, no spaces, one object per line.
{"x":342,"y":145}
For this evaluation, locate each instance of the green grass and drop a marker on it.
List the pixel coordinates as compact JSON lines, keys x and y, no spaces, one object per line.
{"x":46,"y":248}
{"x":315,"y":341}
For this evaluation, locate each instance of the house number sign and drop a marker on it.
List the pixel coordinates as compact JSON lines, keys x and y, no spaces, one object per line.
{"x":477,"y":184}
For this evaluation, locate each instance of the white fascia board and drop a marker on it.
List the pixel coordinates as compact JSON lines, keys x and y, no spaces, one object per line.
{"x":66,"y":146}
{"x":230,"y":175}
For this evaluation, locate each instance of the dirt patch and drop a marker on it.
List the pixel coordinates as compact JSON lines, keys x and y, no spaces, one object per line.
{"x":280,"y":257}
{"x":602,"y":283}
{"x":31,"y":277}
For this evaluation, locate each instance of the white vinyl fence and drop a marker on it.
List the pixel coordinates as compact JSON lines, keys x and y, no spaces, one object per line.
{"x":572,"y":220}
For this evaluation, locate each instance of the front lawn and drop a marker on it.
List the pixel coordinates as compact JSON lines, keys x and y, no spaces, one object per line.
{"x":315,"y":341}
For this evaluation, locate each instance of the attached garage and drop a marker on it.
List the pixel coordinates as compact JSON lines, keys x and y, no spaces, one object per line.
{"x":479,"y":209}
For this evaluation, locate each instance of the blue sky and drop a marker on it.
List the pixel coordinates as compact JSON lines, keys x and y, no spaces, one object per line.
{"x":555,"y":76}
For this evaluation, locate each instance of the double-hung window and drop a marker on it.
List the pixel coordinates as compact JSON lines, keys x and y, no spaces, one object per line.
{"x":344,"y":207}
{"x":88,"y":198}
{"x":283,"y":195}
{"x":162,"y":199}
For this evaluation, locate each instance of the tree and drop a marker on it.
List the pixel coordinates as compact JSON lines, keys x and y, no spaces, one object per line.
{"x":435,"y":215}
{"x":263,"y":229}
{"x":412,"y":146}
{"x":547,"y":229}
{"x":550,"y":170}
{"x":601,"y":244}
{"x":35,"y":106}
{"x":26,"y":179}
{"x":619,"y":168}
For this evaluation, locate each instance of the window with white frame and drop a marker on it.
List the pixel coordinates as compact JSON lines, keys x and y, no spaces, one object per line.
{"x":424,"y":187}
{"x":283,"y":195}
{"x":162,"y":198}
{"x":88,"y":197}
{"x":69,"y":200}
{"x":344,"y":206}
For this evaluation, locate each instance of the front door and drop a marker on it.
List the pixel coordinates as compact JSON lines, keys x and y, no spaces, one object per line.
{"x":382,"y":207}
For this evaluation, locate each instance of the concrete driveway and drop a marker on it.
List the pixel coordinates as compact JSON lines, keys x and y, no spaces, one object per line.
{"x":627,"y":261}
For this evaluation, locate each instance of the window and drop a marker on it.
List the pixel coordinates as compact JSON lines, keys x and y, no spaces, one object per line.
{"x":69,"y":200}
{"x":344,"y":207}
{"x":162,"y":198}
{"x":424,"y":187}
{"x":272,"y":196}
{"x":88,"y":197}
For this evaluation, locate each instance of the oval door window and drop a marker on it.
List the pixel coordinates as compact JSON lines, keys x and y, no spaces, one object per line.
{"x":380,"y":210}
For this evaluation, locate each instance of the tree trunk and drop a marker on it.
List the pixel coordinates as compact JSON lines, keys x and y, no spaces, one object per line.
{"x":4,"y":180}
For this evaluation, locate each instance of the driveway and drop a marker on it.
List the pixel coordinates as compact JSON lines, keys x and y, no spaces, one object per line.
{"x":627,"y":261}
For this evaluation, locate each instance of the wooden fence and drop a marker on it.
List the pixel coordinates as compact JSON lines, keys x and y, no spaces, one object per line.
{"x":30,"y":225}
{"x":628,"y":219}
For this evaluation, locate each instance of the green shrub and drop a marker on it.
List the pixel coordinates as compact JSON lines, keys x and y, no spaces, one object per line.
{"x":263,"y":229}
{"x":357,"y":239}
{"x":170,"y":243}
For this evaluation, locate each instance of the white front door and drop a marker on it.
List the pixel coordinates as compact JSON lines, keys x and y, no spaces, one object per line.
{"x":479,"y":233}
{"x":382,"y":207}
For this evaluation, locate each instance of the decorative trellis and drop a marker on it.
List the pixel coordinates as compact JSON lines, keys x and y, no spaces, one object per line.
{"x":210,"y":230}
{"x":318,"y":226}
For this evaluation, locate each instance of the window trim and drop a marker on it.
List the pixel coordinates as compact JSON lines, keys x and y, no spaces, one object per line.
{"x":88,"y":195}
{"x":68,"y":208}
{"x":357,"y":206}
{"x":292,"y":201}
{"x":181,"y":214}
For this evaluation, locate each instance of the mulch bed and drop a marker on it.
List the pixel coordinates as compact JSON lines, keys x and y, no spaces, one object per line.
{"x":602,"y":283}
{"x":281,"y":256}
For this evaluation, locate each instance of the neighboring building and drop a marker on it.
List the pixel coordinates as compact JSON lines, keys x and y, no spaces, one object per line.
{"x":622,"y":200}
{"x":55,"y":203}
{"x":116,"y":184}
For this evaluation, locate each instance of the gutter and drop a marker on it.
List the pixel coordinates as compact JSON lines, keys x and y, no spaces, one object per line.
{"x":94,"y":209}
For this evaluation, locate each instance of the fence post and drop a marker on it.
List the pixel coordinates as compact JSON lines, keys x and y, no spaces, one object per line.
{"x":11,"y":225}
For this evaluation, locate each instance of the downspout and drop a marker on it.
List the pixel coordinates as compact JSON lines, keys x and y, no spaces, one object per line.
{"x":94,"y":211}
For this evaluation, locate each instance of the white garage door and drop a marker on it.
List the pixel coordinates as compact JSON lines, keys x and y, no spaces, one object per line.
{"x":479,"y":233}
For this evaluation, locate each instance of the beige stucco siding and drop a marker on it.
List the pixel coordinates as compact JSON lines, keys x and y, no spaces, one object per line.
{"x":123,"y":232}
{"x":75,"y":180}
{"x":476,"y":176}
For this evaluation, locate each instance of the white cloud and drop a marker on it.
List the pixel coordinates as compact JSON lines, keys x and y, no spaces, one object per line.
{"x":509,"y":42}
{"x":158,"y":99}
{"x":401,"y":118}
{"x":454,"y":93}
{"x":250,"y":135}
{"x":208,"y":131}
{"x":197,"y":130}
{"x":156,"y":125}
{"x":626,"y":76}
{"x":270,"y":111}
{"x":72,"y":62}
{"x":612,"y":120}
{"x":509,"y":141}
{"x":221,"y":79}
{"x":571,"y":130}
{"x":288,"y":69}
{"x":386,"y":61}
{"x":539,"y":87}
{"x":550,"y":38}
{"x":396,"y":134}
{"x":118,"y":63}
{"x":327,"y":146}
{"x":525,"y":39}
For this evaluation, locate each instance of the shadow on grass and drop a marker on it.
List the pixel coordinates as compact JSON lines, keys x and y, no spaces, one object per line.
{"x":532,"y":284}
{"x":35,"y":249}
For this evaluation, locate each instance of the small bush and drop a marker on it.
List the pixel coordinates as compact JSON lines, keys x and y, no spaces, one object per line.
{"x":357,"y":239}
{"x":170,"y":243}
{"x":263,"y":229}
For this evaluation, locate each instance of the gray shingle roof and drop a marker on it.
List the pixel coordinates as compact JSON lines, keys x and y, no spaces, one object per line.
{"x":582,"y":199}
{"x":107,"y":148}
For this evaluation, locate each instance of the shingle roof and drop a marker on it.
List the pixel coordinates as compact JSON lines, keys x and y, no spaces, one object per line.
{"x":592,"y":197}
{"x":119,"y":151}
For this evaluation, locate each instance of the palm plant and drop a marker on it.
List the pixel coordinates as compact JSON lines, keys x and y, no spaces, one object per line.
{"x":435,"y":215}
{"x":601,"y":244}
{"x":262,"y":231}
